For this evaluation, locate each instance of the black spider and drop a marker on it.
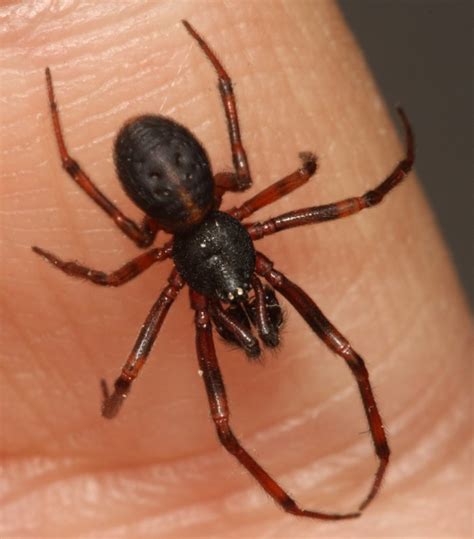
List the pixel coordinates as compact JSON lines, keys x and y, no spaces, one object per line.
{"x":166,"y":172}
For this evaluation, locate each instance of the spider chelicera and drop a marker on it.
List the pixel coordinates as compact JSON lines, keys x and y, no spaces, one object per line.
{"x":166,"y":172}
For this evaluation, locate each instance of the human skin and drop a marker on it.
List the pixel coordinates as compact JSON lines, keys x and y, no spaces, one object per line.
{"x":383,"y":277}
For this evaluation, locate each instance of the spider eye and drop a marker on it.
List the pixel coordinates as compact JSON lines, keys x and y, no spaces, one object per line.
{"x":155,"y":175}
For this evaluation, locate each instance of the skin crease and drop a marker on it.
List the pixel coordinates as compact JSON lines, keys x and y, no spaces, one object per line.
{"x":383,"y":277}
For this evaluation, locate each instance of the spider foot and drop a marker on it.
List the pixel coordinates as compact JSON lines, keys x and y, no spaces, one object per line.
{"x":270,"y":339}
{"x":47,"y":255}
{"x":328,"y":516}
{"x":310,"y":162}
{"x":71,"y":268}
{"x":112,"y":403}
{"x":269,"y":327}
{"x":233,"y":325}
{"x":290,"y":506}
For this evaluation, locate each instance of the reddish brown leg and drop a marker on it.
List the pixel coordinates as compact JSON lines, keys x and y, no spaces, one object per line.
{"x":267,"y":331}
{"x":346,"y":207}
{"x":279,"y":189}
{"x":241,"y":180}
{"x":240,"y":333}
{"x":142,"y":235}
{"x":139,"y":354}
{"x":338,"y":344}
{"x":223,"y":182}
{"x":220,"y":414}
{"x":117,"y":278}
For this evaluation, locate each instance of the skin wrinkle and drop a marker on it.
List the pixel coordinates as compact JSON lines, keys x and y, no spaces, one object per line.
{"x":44,"y":421}
{"x":154,"y":482}
{"x":433,"y":390}
{"x":426,"y":456}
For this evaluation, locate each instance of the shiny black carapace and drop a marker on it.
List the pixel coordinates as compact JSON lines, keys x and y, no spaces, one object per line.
{"x":166,"y":171}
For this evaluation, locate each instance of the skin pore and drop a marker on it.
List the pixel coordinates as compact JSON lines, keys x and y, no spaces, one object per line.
{"x":383,"y":277}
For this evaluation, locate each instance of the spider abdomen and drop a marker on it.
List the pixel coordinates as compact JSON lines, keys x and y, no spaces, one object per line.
{"x":165,"y":171}
{"x":216,"y":258}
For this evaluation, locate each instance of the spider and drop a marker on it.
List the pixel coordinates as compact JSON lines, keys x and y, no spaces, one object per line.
{"x":166,"y":172}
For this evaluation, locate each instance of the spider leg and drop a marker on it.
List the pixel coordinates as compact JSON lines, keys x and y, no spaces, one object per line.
{"x":220,"y":414}
{"x":346,"y":207}
{"x":267,"y":331}
{"x":116,"y":278}
{"x":241,"y":334}
{"x":341,"y":346}
{"x":136,"y":360}
{"x":142,"y":235}
{"x":225,"y":181}
{"x":279,"y":189}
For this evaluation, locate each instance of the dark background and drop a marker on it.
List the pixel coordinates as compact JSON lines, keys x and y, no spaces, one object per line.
{"x":420,"y":52}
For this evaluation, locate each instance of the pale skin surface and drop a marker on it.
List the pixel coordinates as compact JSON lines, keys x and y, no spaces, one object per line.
{"x":383,"y":277}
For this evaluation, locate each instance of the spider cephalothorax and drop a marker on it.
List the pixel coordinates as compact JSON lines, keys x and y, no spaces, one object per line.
{"x":216,"y":257}
{"x":166,"y":172}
